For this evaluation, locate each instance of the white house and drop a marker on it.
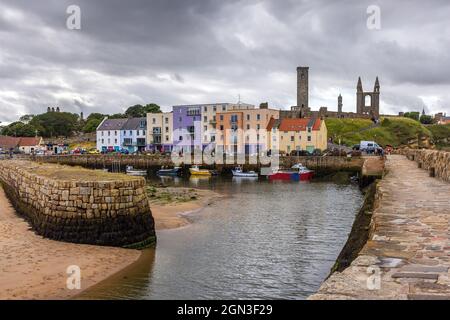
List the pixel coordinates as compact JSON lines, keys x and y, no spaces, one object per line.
{"x":134,"y":135}
{"x":109,"y":134}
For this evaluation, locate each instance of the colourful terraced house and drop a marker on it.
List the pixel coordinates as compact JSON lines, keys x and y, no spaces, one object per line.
{"x":289,"y":135}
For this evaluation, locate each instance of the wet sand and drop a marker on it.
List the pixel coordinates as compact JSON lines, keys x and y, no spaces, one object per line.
{"x":175,"y":215}
{"x":32,"y":267}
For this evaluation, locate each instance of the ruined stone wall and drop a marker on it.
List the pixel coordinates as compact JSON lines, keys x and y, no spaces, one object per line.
{"x":113,"y":213}
{"x":436,"y":162}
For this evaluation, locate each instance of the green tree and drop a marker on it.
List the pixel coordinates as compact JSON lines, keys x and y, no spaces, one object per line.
{"x":53,"y":124}
{"x":19,"y":129}
{"x":95,"y":116}
{"x":412,"y":115}
{"x":140,"y":111}
{"x":26,"y":118}
{"x":117,"y":116}
{"x":425,"y":119}
{"x":152,"y":108}
{"x":92,"y":125}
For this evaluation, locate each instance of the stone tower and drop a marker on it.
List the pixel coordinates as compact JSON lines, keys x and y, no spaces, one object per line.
{"x":340,"y":104}
{"x":372,"y":108}
{"x":302,"y":87}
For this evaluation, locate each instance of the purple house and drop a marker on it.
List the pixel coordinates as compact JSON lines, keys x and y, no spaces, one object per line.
{"x":187,"y":129}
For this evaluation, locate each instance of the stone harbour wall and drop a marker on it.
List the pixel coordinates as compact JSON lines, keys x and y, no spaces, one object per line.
{"x":111,"y":213}
{"x":437,"y":163}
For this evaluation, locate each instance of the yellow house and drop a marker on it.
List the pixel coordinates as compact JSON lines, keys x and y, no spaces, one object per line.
{"x":287,"y":135}
{"x":159,"y":131}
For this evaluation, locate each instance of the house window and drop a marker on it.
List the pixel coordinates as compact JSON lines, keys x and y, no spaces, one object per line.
{"x":234,"y":118}
{"x":167,"y":138}
{"x":167,"y":129}
{"x":179,"y":119}
{"x":124,"y":133}
{"x":206,"y":109}
{"x":257,"y":137}
{"x":248,"y":117}
{"x":109,"y":141}
{"x":138,"y":133}
{"x":131,"y":133}
{"x":115,"y":133}
{"x":221,"y":117}
{"x":115,"y":141}
{"x":205,"y":118}
{"x":248,"y":127}
{"x":221,"y":127}
{"x":166,"y":120}
{"x":309,"y":129}
{"x":153,"y":120}
{"x":309,"y":138}
{"x":224,"y":108}
{"x":103,"y":141}
{"x":292,"y":138}
{"x":258,"y":126}
{"x":213,"y":138}
{"x":214,"y":108}
{"x":109,"y":133}
{"x":205,"y":128}
{"x":181,"y":138}
{"x":258,"y":117}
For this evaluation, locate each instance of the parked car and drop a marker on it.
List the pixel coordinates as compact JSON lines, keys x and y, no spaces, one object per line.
{"x":356,"y":147}
{"x":299,"y":153}
{"x":93,"y":151}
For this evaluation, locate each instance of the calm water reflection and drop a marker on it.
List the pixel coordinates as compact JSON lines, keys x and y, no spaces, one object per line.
{"x":266,"y":240}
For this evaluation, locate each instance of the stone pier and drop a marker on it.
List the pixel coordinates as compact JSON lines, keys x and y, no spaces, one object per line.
{"x":78,"y":205}
{"x":407,"y":255}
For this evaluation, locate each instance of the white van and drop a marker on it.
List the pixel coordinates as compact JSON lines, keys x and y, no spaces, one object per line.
{"x":369,"y":146}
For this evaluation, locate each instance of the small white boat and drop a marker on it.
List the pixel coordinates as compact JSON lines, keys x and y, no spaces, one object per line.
{"x":134,"y":172}
{"x":237,"y":172}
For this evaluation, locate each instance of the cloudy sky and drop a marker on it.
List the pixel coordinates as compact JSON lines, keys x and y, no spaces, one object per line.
{"x":203,"y":51}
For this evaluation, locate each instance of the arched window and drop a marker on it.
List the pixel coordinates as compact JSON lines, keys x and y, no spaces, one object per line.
{"x":368,"y":100}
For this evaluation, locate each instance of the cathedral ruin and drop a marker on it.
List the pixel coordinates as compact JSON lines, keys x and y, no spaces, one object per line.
{"x":367,"y":102}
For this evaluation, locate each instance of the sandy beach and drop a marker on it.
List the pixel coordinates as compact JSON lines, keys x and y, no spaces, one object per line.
{"x":32,"y":267}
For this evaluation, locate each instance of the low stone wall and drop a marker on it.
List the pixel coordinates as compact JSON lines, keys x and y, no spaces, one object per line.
{"x":437,"y":163}
{"x":113,"y":213}
{"x":152,"y":163}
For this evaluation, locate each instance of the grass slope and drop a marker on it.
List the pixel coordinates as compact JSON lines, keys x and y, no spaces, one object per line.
{"x":395,"y":131}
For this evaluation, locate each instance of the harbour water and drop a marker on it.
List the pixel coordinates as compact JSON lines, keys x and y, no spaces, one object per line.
{"x":264,"y":240}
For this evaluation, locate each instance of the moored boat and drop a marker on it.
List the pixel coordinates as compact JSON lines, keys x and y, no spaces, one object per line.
{"x":195,"y":170}
{"x":297,"y":172}
{"x":238,"y":172}
{"x":134,"y":172}
{"x":169,"y":172}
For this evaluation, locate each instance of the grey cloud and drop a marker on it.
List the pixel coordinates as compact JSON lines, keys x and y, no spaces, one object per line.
{"x":173,"y":52}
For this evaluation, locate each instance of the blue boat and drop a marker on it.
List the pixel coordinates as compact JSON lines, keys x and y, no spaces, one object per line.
{"x":169,"y":172}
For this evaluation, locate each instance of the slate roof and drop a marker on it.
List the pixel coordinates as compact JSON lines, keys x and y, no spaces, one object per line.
{"x":297,"y":124}
{"x":112,"y":124}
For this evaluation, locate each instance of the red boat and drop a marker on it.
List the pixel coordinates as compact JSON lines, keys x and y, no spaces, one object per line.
{"x":297,"y":173}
